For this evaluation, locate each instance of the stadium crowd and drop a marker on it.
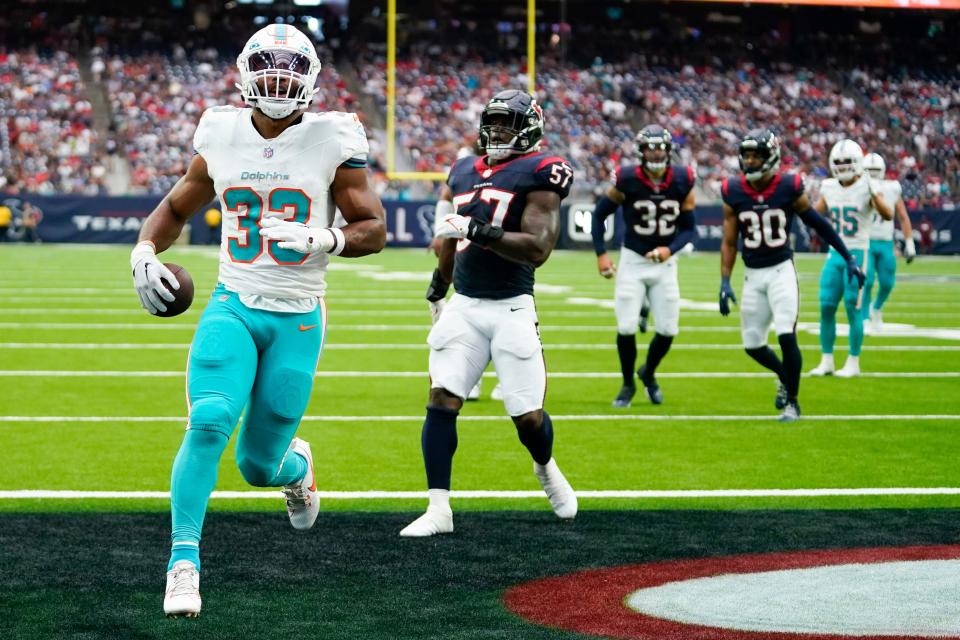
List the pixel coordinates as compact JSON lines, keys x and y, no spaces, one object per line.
{"x":705,"y":90}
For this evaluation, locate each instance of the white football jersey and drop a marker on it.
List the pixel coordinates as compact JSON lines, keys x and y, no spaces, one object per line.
{"x":287,"y":177}
{"x":892,"y":193}
{"x":849,"y":210}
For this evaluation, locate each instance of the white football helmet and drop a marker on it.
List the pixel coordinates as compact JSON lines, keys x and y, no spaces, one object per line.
{"x":278,"y":70}
{"x":846,"y":160}
{"x":874,"y":165}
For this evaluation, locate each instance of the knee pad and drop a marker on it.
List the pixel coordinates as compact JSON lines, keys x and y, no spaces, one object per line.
{"x":257,"y":471}
{"x":828,"y":310}
{"x":213,"y":414}
{"x":850,"y":299}
{"x":292,"y":392}
{"x":753,"y":339}
{"x":628,"y":326}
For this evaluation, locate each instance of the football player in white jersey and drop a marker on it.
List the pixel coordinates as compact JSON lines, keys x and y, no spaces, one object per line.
{"x":279,"y":173}
{"x":882,"y":259}
{"x":850,"y":198}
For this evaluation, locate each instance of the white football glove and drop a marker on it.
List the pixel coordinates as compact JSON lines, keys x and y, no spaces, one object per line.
{"x":452,"y":226}
{"x":148,"y":274}
{"x":909,"y":250}
{"x":436,"y":308}
{"x":298,"y":236}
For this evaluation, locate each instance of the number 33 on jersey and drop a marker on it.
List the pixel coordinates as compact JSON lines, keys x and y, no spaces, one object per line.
{"x":287,"y":177}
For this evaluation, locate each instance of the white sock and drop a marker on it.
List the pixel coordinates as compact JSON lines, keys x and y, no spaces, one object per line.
{"x":827,"y":360}
{"x":852,"y":361}
{"x":439,"y":498}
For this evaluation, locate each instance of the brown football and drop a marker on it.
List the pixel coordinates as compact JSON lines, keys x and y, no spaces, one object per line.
{"x":182,"y":296}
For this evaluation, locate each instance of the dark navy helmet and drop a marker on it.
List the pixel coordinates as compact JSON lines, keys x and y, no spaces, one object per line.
{"x":653,"y":137}
{"x":767,"y":146}
{"x":511,"y":123}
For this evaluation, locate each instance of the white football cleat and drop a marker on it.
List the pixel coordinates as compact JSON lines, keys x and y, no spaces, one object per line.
{"x":876,"y":320}
{"x":825,"y":368}
{"x":436,"y":520}
{"x":303,"y":504}
{"x":182,"y":597}
{"x":474,"y":393}
{"x":851,"y":368}
{"x":497,"y":393}
{"x":558,"y":490}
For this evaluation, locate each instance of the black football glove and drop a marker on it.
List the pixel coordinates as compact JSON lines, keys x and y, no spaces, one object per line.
{"x":726,"y":296}
{"x":854,"y":271}
{"x":438,"y":287}
{"x":483,"y":233}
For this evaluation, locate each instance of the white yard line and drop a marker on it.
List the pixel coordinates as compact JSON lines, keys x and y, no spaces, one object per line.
{"x":33,"y":494}
{"x":347,"y":346}
{"x":901,"y":418}
{"x":56,"y":373}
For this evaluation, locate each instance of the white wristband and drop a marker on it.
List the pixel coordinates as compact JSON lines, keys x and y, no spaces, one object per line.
{"x":443,"y":208}
{"x":339,"y":241}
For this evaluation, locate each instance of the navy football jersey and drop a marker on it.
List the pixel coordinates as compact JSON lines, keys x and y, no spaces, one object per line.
{"x":498,"y":195}
{"x":651,"y":211}
{"x":764,"y":218}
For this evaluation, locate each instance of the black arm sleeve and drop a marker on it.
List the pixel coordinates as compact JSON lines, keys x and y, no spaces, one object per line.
{"x":605,"y":206}
{"x":825,"y":230}
{"x":686,"y":231}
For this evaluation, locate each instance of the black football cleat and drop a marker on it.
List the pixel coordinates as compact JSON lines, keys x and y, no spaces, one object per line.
{"x":623,"y":399}
{"x":791,"y":412}
{"x":781,"y":400}
{"x":650,"y":386}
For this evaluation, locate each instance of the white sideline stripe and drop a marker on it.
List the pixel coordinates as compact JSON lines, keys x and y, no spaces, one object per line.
{"x":405,"y":495}
{"x":411,"y":313}
{"x":944,"y":333}
{"x":572,"y":417}
{"x":160,"y":326}
{"x":34,"y":373}
{"x":581,"y":346}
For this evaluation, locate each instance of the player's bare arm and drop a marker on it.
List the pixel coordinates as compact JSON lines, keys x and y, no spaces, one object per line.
{"x":605,"y":265}
{"x":663,"y":253}
{"x":882,"y":207}
{"x":728,"y":246}
{"x":366,"y":229}
{"x":164,"y":224}
{"x":444,"y":205}
{"x":538,"y":233}
{"x":820,"y":206}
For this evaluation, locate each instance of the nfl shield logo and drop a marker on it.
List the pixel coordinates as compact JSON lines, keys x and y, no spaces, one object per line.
{"x":268,"y":152}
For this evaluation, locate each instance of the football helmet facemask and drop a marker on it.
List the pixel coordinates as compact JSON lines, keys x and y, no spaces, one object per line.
{"x":846,"y":160}
{"x":765,"y":145}
{"x":511,"y":123}
{"x":278,"y":71}
{"x":653,"y":137}
{"x":874,"y":165}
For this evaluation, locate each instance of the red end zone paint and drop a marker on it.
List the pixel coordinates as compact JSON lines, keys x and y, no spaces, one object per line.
{"x":592,"y":601}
